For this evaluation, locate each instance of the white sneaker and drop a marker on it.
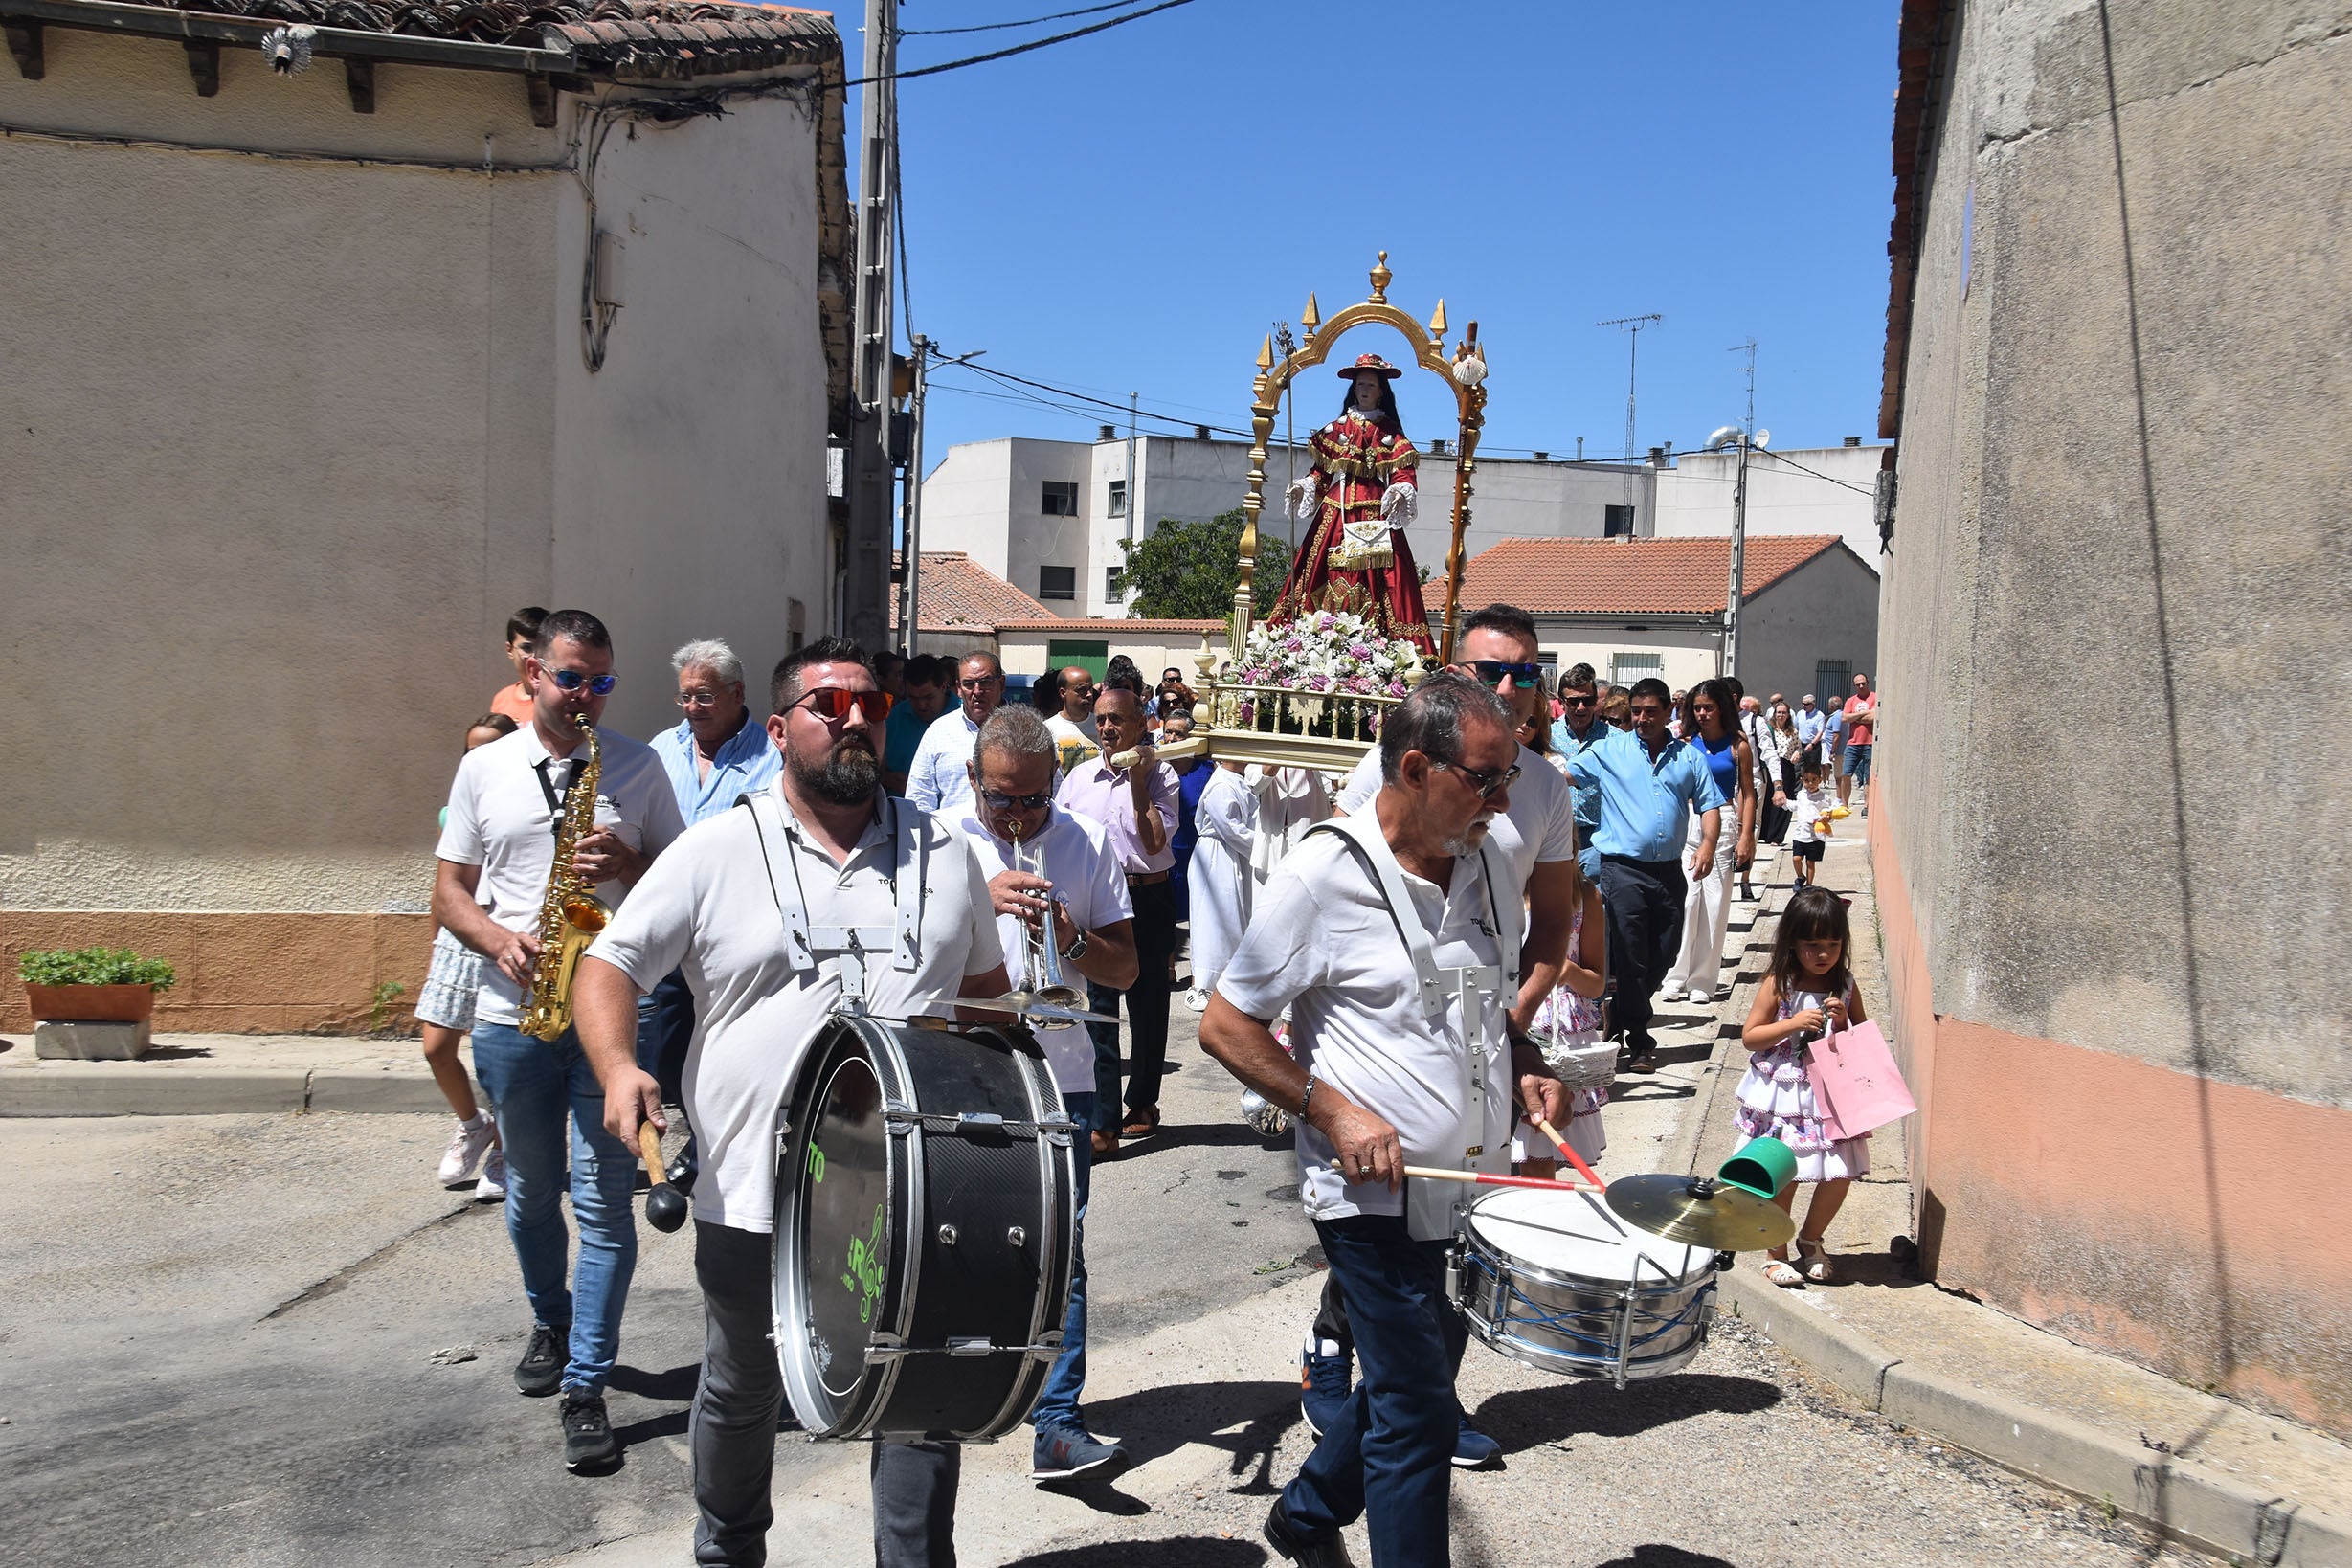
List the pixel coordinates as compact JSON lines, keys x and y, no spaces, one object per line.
{"x":466,"y":1147}
{"x":1197,"y":1000}
{"x":492,"y":1187}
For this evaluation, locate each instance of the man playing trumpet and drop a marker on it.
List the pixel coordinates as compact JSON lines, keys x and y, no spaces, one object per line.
{"x":1062,"y":908}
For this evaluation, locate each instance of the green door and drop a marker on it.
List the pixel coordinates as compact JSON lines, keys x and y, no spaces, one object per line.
{"x":1060,"y":653}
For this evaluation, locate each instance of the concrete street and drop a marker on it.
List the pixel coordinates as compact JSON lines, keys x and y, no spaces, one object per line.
{"x":249,"y":1340}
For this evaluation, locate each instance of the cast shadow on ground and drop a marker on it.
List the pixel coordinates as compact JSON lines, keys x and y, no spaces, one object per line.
{"x":1261,"y":1411}
{"x":1178,"y":1552}
{"x":1656,"y":1556}
{"x":1233,"y":1134}
{"x":1520,"y":1419}
{"x":676,"y":1385}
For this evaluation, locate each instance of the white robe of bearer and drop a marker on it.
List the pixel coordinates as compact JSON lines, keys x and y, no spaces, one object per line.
{"x":1221,"y":877}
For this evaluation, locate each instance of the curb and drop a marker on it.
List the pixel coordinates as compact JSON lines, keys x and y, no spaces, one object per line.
{"x":2182,"y":1502}
{"x":105,"y":1089}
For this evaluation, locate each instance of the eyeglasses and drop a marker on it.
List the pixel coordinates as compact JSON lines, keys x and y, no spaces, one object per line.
{"x":1492,"y":670}
{"x":698,"y":699}
{"x":1577,"y":698}
{"x":573,"y":680}
{"x":831,"y":703}
{"x":1017,"y":803}
{"x":1486,"y":784}
{"x":981,"y":684}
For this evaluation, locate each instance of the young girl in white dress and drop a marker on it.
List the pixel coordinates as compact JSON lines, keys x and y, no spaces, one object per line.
{"x":1810,"y":991}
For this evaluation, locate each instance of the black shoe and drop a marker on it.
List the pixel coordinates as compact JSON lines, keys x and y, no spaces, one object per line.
{"x":588,"y":1434}
{"x":541,"y":1371}
{"x":681,"y":1175}
{"x":1294,"y":1545}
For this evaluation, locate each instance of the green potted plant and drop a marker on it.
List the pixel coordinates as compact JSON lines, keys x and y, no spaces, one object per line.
{"x":92,"y":985}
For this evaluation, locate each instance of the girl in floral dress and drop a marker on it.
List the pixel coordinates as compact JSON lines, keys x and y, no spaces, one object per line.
{"x":1810,"y":991}
{"x":1574,"y":1010}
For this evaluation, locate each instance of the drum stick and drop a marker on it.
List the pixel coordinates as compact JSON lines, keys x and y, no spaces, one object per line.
{"x":665,"y":1206}
{"x":1431,"y":1172}
{"x":1585,"y":1170}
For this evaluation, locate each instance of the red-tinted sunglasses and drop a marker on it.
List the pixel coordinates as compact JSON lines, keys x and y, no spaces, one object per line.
{"x":831,"y":703}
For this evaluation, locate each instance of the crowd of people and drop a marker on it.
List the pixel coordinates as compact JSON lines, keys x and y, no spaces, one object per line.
{"x":1555,"y":862}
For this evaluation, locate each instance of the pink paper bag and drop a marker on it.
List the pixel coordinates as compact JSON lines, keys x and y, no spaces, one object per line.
{"x":1856,"y":1086}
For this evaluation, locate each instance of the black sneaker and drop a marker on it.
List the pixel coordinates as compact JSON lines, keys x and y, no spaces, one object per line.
{"x":1073,"y":1453}
{"x":588,"y":1433}
{"x":541,"y":1371}
{"x":1295,"y":1546}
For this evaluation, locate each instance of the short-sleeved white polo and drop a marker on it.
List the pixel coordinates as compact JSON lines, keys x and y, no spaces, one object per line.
{"x":1540,"y":826}
{"x":707,"y":908}
{"x":937,"y":781}
{"x":1085,"y":872}
{"x":502,"y":820}
{"x":1322,"y":942}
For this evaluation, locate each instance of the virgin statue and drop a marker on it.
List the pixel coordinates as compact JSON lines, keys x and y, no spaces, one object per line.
{"x":1358,"y":497}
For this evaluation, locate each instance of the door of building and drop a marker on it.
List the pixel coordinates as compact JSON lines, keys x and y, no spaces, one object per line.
{"x":1094,"y":658}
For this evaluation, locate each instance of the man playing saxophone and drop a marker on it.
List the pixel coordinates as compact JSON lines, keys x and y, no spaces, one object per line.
{"x":1063,"y":913}
{"x":511,"y":809}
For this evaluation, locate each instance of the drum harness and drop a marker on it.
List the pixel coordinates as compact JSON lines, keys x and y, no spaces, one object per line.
{"x":1468,"y":985}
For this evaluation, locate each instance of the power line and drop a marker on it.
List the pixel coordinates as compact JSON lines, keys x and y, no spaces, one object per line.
{"x":1017,"y":49}
{"x":1858,"y":489}
{"x":998,"y":27}
{"x":1105,"y":403}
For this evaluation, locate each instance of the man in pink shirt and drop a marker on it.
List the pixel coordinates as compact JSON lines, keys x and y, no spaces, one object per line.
{"x":1860,"y":727}
{"x":1136,"y":807}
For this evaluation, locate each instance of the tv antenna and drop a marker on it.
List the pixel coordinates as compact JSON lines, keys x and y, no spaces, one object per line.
{"x":1632,"y":326}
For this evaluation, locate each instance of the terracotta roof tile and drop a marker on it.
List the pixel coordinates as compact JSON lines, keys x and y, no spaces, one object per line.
{"x":1630,"y":577}
{"x":959,"y":594}
{"x":1133,"y":626}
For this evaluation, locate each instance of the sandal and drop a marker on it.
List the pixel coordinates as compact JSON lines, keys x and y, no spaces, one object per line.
{"x":1813,"y":1259}
{"x":1779,"y":1273}
{"x":1104,"y":1145}
{"x":1141,"y":1124}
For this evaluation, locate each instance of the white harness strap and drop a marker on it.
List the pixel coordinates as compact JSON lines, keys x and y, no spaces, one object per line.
{"x":806,"y":946}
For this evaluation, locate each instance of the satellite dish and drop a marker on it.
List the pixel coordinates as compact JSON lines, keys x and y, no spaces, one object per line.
{"x":1763,"y":437}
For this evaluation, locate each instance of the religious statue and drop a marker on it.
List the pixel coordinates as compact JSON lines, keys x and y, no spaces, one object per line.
{"x":1358,"y":497}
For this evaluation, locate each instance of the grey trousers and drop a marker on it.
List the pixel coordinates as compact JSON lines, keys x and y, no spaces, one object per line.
{"x":732,"y":1431}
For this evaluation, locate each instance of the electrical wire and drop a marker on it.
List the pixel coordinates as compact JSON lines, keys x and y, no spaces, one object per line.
{"x":1016,"y":49}
{"x":998,"y":27}
{"x":1858,"y":489}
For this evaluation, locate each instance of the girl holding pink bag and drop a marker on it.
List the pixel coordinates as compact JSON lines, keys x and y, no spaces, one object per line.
{"x":1809,"y":992}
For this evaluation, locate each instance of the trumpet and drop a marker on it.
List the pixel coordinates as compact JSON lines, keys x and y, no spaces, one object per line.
{"x":1042,"y":969}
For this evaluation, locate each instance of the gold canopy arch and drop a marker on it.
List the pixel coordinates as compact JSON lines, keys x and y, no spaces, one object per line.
{"x":1466,"y":374}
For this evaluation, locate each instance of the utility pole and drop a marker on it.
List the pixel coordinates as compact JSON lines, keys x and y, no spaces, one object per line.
{"x":869,"y":478}
{"x":1135,"y":498}
{"x":910,"y":515}
{"x":1729,"y":662}
{"x":1632,"y":326}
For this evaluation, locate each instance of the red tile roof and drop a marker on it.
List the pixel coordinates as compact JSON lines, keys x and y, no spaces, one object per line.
{"x":1132,"y":627}
{"x":959,"y":594}
{"x":1630,"y":577}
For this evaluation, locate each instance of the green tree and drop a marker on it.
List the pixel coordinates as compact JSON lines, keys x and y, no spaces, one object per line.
{"x":1188,"y":570}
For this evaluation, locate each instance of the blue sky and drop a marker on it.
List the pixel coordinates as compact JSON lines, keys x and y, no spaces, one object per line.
{"x":1132,"y":211}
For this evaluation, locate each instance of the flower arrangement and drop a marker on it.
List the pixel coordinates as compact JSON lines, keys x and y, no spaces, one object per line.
{"x":1320,"y":655}
{"x":93,"y":966}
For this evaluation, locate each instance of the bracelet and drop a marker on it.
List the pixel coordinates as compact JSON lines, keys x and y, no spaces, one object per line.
{"x":1305,"y":1095}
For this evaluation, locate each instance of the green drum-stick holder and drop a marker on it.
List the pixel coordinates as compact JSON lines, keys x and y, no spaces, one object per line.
{"x":1765,"y":1167}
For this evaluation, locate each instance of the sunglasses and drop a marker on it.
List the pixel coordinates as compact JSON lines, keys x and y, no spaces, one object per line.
{"x":572,"y":680}
{"x":1577,"y":698}
{"x":1486,"y":784}
{"x":831,"y":703}
{"x":1492,"y":670}
{"x":996,"y":801}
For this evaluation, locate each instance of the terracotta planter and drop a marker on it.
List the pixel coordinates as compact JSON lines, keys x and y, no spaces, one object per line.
{"x":91,"y":1003}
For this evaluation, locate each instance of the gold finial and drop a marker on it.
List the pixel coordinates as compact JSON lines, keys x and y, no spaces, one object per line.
{"x":1437,"y":323}
{"x":1381,"y":274}
{"x":1313,"y":318}
{"x":1265,"y":353}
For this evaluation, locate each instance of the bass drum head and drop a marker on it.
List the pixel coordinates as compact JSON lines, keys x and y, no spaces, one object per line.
{"x":844,"y":1202}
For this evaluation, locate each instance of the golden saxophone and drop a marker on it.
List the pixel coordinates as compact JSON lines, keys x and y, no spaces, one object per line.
{"x":571,"y":914}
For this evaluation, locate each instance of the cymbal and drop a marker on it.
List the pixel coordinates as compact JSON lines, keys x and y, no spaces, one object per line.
{"x":1700,"y":1211}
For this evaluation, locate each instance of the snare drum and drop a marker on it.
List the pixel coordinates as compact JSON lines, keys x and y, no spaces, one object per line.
{"x":1557,"y":1281}
{"x":925,"y":1196}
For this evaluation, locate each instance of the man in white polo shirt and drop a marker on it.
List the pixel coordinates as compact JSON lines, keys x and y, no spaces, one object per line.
{"x":1012,"y":769}
{"x":497,"y":849}
{"x":824,"y":836}
{"x":940,"y":780}
{"x":1391,"y":936}
{"x":1538,"y":837}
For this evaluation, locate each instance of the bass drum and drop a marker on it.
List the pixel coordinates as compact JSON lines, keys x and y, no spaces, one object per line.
{"x":924,"y":1194}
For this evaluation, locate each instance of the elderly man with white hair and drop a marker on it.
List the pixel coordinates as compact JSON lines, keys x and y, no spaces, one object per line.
{"x":715,"y":756}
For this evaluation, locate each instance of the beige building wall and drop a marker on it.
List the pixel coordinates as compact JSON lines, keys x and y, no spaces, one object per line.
{"x":288,"y":439}
{"x":1152,"y":645}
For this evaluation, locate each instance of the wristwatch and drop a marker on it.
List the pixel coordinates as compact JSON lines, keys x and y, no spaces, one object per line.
{"x":1076,"y":950}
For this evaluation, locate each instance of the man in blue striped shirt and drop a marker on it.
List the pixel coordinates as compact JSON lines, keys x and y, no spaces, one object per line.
{"x":1649,"y":783}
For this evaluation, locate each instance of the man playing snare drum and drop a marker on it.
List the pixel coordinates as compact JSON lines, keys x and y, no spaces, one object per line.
{"x":832,"y":841}
{"x":1393,"y":935}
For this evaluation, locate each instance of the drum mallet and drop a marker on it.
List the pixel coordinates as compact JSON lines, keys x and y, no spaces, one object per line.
{"x":1433,"y":1173}
{"x":1562,"y":1144}
{"x":665,"y":1206}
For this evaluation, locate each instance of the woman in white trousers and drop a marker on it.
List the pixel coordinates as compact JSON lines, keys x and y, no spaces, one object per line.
{"x":1712,"y":727}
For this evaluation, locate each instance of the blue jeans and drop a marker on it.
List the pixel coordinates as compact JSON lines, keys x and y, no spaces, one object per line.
{"x":1389,"y":1452}
{"x":1057,"y":1407}
{"x":536,"y":1085}
{"x":1858,"y":764}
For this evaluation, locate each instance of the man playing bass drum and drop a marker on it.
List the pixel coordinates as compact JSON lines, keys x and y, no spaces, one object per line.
{"x":709,"y":909}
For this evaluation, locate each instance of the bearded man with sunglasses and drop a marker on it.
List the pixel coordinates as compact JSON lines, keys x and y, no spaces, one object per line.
{"x":1392,"y":937}
{"x":1083,"y":894}
{"x":824,"y":836}
{"x":496,"y":852}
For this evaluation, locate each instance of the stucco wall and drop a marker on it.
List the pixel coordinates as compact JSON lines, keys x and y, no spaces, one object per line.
{"x":1686,"y":650}
{"x":1826,"y":609}
{"x":1837,"y":495}
{"x":2114,"y":614}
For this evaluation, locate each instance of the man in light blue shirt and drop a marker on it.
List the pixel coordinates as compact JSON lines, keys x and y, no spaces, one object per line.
{"x":1578,"y":725}
{"x":940,"y":781}
{"x":714,"y":755}
{"x":1649,"y":783}
{"x":1811,"y":723}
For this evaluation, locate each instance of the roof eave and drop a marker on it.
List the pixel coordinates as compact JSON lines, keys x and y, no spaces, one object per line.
{"x":345,"y":44}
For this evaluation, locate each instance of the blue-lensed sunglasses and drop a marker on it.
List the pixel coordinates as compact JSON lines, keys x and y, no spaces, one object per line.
{"x":573,"y":680}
